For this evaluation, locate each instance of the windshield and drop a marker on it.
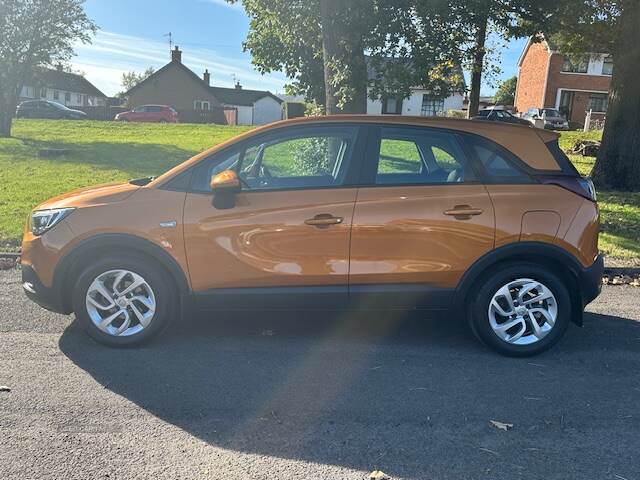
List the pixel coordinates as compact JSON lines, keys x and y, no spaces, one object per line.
{"x":552,"y":112}
{"x":59,"y":106}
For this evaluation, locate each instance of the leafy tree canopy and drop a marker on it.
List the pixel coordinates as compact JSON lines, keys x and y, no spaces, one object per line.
{"x":35,"y":33}
{"x":506,"y":93}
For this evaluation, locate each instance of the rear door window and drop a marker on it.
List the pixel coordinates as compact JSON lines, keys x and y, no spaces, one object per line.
{"x":414,"y":156}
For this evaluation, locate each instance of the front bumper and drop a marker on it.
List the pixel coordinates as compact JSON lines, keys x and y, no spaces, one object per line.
{"x":591,"y":281}
{"x":49,"y":298}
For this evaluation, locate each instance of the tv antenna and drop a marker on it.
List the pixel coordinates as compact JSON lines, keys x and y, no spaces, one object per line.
{"x":170,"y":41}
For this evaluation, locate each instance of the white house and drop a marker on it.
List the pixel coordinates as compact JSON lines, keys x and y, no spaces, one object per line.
{"x":67,"y":88}
{"x":421,"y":102}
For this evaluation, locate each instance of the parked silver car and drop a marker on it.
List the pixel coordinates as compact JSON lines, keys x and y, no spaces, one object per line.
{"x":553,"y":119}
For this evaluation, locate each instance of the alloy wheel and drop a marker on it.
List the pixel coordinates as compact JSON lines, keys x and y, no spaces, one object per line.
{"x":523,"y":312}
{"x":120,"y":303}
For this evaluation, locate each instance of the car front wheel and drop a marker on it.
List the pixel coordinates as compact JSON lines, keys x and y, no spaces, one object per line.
{"x":521,"y":310}
{"x":123,"y":301}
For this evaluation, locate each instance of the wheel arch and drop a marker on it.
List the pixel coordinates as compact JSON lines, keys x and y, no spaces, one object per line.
{"x":551,"y":256}
{"x":104,"y":244}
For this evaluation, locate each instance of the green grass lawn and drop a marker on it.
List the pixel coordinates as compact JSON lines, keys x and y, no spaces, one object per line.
{"x":107,"y":151}
{"x":102,"y":152}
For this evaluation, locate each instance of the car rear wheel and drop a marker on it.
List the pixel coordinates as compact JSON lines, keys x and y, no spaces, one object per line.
{"x":520,"y":310}
{"x":124,"y":301}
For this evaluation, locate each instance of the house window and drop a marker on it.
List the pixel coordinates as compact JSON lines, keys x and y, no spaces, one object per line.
{"x":391,"y":106}
{"x":56,"y":95}
{"x":607,"y":66}
{"x":202,"y":105}
{"x":576,"y":65}
{"x":431,"y":106}
{"x":79,"y":98}
{"x":599,"y":102}
{"x":67,"y":96}
{"x":43,"y":93}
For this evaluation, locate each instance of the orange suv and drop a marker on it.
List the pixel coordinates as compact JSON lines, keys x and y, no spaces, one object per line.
{"x":484,"y":220}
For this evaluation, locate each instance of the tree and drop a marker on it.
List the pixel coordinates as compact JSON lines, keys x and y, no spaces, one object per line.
{"x":321,"y":44}
{"x":131,"y":79}
{"x":506,"y":93}
{"x":465,"y":26}
{"x":35,"y":33}
{"x":610,"y":27}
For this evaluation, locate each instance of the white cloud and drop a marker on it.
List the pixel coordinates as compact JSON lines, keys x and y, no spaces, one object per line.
{"x":112,"y":54}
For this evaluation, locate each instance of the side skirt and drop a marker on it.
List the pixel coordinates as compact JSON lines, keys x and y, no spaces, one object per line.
{"x":335,"y":297}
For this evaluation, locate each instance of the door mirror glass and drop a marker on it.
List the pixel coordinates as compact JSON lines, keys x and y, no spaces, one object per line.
{"x":226,"y":181}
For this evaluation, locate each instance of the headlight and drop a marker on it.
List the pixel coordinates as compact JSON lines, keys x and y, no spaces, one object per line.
{"x":41,"y":221}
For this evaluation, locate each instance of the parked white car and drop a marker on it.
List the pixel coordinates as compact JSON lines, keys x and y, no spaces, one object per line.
{"x":553,"y":119}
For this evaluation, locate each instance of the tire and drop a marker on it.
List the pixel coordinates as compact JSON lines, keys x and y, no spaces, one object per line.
{"x":158,"y":292}
{"x":520,"y":277}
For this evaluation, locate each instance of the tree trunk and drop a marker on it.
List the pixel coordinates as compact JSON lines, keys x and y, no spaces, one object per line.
{"x":345,"y":69}
{"x":618,"y":164}
{"x":7,"y":110}
{"x":476,"y":68}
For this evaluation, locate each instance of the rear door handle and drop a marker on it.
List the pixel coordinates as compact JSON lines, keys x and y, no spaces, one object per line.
{"x":462,"y":212}
{"x":324,"y":220}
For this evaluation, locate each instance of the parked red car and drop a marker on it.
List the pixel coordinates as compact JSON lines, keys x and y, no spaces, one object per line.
{"x":149,"y":113}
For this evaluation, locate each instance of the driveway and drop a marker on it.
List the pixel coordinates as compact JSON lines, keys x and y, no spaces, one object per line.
{"x":313,"y":397}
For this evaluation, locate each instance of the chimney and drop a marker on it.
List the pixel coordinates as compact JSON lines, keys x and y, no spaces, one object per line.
{"x":206,"y":76}
{"x":176,"y":55}
{"x":238,"y":86}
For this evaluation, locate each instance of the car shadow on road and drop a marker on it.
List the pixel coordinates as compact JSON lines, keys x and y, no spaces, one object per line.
{"x":406,"y":395}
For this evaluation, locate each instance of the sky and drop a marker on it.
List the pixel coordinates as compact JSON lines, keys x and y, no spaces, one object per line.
{"x":132,"y":37}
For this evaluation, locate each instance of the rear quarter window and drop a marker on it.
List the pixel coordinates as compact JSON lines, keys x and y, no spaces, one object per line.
{"x":497,"y":164}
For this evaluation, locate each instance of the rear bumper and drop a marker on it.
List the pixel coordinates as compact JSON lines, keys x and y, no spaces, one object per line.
{"x":49,"y":298}
{"x":591,"y":281}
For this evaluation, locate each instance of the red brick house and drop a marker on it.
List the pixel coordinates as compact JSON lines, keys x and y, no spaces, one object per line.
{"x":548,"y":79}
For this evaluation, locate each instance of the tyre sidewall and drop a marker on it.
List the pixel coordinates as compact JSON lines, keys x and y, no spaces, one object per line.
{"x":158,"y":280}
{"x":489,"y":286}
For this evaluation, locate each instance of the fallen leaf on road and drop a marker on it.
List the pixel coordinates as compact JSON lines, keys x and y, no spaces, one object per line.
{"x":378,"y":475}
{"x":500,"y":425}
{"x":489,"y":451}
{"x":4,"y":388}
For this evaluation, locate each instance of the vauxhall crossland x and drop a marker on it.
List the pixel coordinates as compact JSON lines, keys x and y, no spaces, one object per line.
{"x":487,"y":221}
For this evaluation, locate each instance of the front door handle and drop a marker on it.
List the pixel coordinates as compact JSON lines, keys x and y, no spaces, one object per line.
{"x":463,"y":212}
{"x":324,"y":220}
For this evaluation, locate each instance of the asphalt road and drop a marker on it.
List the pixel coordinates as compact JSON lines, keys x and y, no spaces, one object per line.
{"x":311,"y":397}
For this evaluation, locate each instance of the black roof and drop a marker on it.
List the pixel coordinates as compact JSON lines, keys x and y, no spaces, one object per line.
{"x":240,"y":96}
{"x":230,"y":96}
{"x":70,"y":82}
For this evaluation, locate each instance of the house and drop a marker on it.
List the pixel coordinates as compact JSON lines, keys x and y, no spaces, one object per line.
{"x":485,"y":102}
{"x":420,"y":102}
{"x":196,"y":100}
{"x":70,"y":89}
{"x":548,"y":79}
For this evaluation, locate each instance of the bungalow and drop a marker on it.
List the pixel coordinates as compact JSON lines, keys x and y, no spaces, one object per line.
{"x":70,"y":89}
{"x":194,"y":98}
{"x":420,"y":102}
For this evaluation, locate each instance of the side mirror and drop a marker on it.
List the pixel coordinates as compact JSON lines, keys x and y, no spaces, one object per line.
{"x":224,"y":186}
{"x":226,"y":181}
